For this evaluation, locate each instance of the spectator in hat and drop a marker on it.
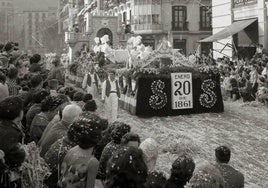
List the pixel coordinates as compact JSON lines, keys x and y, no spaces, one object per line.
{"x":181,"y":172}
{"x":231,"y":176}
{"x":3,"y":87}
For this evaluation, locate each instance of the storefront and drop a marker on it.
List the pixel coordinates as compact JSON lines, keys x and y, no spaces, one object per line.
{"x":238,"y":26}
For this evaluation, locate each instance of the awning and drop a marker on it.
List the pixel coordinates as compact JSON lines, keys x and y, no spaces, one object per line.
{"x":229,"y":30}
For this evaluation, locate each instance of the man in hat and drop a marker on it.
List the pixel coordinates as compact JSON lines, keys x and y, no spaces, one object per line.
{"x":110,"y":95}
{"x":91,"y":82}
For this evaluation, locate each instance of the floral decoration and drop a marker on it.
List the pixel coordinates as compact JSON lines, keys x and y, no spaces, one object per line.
{"x":208,"y":99}
{"x":159,"y":99}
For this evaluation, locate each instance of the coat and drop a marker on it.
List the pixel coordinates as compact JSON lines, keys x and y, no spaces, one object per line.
{"x":232,"y":177}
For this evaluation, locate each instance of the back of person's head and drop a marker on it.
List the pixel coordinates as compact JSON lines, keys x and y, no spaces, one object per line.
{"x":126,"y":169}
{"x":78,"y":96}
{"x":16,"y":156}
{"x":35,"y":58}
{"x":149,"y":148}
{"x":12,"y":73}
{"x":155,"y":180}
{"x":2,"y":78}
{"x":36,"y":80}
{"x":86,"y":131}
{"x":182,"y":170}
{"x":53,"y":84}
{"x":222,"y":154}
{"x":61,"y":107}
{"x":119,"y":131}
{"x":131,"y":139}
{"x":50,"y":103}
{"x":56,"y":62}
{"x":70,"y":112}
{"x":87,"y":97}
{"x":40,"y":95}
{"x":90,"y":106}
{"x":11,"y":108}
{"x":208,"y":176}
{"x":8,"y":47}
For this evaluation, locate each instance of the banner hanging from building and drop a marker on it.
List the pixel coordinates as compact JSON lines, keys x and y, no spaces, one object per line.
{"x":181,"y":91}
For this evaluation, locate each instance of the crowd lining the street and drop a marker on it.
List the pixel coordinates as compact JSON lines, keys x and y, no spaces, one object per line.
{"x":81,"y":149}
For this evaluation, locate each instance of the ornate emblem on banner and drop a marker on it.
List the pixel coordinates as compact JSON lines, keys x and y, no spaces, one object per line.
{"x":208,"y":99}
{"x":159,"y":98}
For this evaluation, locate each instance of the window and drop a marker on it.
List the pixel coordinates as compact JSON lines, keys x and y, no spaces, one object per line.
{"x":124,"y":17}
{"x":205,"y":18}
{"x":179,"y":17}
{"x":180,"y":44}
{"x":155,"y":18}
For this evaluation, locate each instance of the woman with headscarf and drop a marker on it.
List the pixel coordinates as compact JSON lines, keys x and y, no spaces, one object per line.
{"x":149,"y":148}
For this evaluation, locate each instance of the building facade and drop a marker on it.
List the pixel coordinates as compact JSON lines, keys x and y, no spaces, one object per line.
{"x":242,"y":42}
{"x":6,"y":20}
{"x":183,"y":22}
{"x":26,"y":20}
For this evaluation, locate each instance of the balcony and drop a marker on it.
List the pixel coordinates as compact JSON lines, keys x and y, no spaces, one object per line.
{"x":180,"y":26}
{"x":73,"y":37}
{"x":147,"y":28}
{"x":204,"y":27}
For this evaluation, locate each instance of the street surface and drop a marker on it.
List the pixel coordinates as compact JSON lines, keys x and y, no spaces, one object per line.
{"x":244,"y":128}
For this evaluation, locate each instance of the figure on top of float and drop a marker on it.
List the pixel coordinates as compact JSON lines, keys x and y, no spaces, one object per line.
{"x":165,"y":47}
{"x":106,"y":49}
{"x":97,"y":47}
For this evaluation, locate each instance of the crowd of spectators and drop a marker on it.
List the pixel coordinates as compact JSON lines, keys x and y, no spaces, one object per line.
{"x":243,"y":79}
{"x":80,"y":148}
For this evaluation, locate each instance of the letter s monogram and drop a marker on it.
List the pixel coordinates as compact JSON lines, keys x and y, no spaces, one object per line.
{"x":159,"y":99}
{"x":208,"y":99}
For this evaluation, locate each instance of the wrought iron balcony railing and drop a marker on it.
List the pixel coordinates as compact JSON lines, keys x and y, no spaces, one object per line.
{"x":180,"y":26}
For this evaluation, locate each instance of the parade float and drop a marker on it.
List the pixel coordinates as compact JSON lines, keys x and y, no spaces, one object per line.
{"x":163,"y":83}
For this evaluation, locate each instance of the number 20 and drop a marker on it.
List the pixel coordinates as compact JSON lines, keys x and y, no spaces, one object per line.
{"x":186,"y":88}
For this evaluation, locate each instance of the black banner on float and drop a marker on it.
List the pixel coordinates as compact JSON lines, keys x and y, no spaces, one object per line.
{"x":155,"y":95}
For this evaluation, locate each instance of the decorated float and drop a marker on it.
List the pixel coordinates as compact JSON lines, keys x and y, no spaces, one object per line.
{"x":164,"y":83}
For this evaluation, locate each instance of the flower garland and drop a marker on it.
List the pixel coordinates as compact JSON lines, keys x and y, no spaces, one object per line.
{"x":34,"y":169}
{"x":159,"y":99}
{"x":209,"y":70}
{"x":208,"y":99}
